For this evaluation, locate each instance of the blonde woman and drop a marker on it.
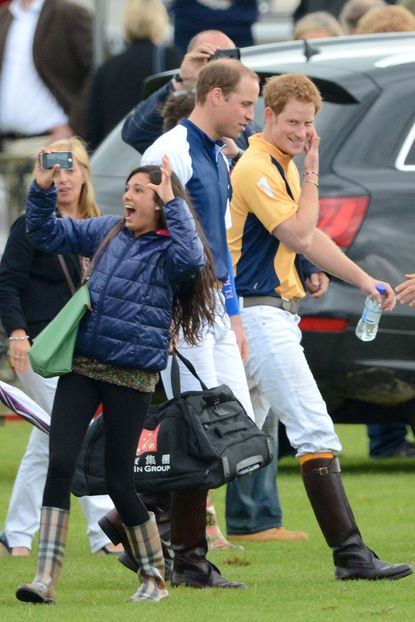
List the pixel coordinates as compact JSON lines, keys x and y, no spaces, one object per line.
{"x":33,"y":288}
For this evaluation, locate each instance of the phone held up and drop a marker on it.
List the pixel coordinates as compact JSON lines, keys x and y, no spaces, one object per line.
{"x":233,"y":53}
{"x":63,"y":158}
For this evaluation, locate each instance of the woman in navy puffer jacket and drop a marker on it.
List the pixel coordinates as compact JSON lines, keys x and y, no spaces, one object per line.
{"x":150,"y":281}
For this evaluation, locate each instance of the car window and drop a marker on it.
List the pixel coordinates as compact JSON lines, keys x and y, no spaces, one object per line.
{"x":406,"y":157}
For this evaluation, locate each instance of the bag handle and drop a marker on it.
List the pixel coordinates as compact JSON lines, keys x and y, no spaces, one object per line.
{"x":175,"y":373}
{"x":101,"y":248}
{"x":67,"y":274}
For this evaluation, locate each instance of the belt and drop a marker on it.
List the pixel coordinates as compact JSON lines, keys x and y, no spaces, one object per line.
{"x":19,"y":136}
{"x":292,"y":306}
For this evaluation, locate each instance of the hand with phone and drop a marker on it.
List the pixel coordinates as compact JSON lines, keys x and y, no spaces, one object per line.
{"x":193,"y":61}
{"x":48,"y":165}
{"x":48,"y":159}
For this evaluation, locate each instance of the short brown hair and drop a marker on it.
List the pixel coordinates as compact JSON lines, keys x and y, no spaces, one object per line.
{"x":225,"y":74}
{"x":386,"y":19}
{"x":278,"y":90}
{"x":178,"y":105}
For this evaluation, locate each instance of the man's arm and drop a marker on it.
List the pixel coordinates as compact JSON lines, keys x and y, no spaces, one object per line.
{"x":297,"y":231}
{"x":145,"y":124}
{"x":326,"y":254}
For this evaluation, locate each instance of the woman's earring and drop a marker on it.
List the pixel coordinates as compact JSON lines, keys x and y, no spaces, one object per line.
{"x":158,"y":209}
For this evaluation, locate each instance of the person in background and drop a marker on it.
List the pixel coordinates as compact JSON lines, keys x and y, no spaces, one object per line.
{"x":316,"y":25}
{"x":274,"y":217}
{"x":305,"y":7}
{"x":151,"y":279}
{"x":386,"y":19}
{"x":117,"y":85}
{"x":33,"y":288}
{"x":353,"y":10}
{"x":45,"y":59}
{"x":235,"y":18}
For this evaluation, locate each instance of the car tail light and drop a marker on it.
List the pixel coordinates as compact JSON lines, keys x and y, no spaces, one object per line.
{"x":323,"y":324}
{"x":342,"y":217}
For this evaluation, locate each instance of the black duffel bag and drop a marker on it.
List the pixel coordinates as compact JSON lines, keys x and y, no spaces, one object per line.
{"x":196,"y":440}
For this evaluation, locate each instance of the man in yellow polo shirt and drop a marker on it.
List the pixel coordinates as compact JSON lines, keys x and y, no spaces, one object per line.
{"x":274,"y":219}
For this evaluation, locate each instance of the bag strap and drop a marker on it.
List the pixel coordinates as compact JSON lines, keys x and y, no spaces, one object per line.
{"x":67,"y":274}
{"x":101,"y":248}
{"x":175,"y":373}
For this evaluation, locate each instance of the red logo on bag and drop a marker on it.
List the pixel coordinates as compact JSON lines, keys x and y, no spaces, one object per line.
{"x":147,"y":441}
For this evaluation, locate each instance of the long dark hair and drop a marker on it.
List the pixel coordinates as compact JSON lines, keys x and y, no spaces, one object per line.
{"x":194,"y":303}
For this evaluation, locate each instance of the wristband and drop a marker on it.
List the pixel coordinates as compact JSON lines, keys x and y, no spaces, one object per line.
{"x":311,"y":181}
{"x":19,"y":338}
{"x":236,"y":158}
{"x":310,"y":173}
{"x":178,"y":78}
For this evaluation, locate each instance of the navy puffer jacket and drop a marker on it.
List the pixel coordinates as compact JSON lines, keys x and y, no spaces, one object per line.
{"x":133,"y":282}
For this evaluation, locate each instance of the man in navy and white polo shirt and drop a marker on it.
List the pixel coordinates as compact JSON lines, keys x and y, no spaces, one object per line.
{"x":226,"y":92}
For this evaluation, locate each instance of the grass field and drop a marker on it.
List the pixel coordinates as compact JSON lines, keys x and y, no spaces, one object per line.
{"x":288,"y":582}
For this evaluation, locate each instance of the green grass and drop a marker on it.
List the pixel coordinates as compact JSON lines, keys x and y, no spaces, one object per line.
{"x":288,"y":582}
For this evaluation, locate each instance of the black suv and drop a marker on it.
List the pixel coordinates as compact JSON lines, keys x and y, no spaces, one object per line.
{"x":367,"y":190}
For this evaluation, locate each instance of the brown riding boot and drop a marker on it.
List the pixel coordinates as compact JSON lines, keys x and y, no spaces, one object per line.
{"x":352,"y":558}
{"x":52,"y":540}
{"x":188,"y":536}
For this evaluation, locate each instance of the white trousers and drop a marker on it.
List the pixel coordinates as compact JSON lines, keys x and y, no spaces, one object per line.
{"x":279,"y":377}
{"x":23,"y":516}
{"x":217,"y":360}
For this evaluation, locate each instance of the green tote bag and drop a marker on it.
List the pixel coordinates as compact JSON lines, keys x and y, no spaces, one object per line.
{"x":52,"y":351}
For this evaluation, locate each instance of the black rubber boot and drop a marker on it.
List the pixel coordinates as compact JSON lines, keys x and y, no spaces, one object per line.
{"x":352,"y":558}
{"x":188,"y":536}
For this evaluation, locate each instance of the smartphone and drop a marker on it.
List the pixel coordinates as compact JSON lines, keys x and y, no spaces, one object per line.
{"x":233,"y":53}
{"x":63,"y":158}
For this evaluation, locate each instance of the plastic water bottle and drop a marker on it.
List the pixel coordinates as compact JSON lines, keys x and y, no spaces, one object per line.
{"x":367,"y":327}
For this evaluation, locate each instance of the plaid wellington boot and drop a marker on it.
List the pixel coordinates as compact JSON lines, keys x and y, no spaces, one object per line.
{"x":145,"y":543}
{"x":52,"y":539}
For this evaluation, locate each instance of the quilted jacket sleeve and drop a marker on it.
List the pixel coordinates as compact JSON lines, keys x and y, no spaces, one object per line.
{"x":62,"y":235}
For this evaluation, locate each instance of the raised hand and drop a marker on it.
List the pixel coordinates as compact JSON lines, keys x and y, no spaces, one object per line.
{"x":406,"y":291}
{"x":45,"y":177}
{"x":164,"y":188}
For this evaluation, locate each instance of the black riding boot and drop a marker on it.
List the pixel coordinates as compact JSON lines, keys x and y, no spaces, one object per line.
{"x":352,"y":558}
{"x":188,"y":538}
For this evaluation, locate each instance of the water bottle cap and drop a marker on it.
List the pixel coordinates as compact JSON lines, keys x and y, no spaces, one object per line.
{"x":381,"y":289}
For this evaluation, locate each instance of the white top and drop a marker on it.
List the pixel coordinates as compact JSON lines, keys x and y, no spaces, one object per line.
{"x":20,"y":83}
